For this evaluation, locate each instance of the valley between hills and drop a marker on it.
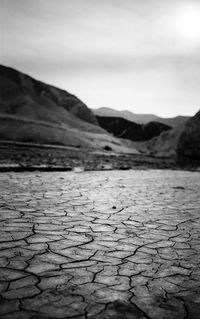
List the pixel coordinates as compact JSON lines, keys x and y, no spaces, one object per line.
{"x":44,"y":127}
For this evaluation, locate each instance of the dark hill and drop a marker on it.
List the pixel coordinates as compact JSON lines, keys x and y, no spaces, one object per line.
{"x":22,"y":95}
{"x":123,"y":128}
{"x":188,"y":149}
{"x":34,"y":112}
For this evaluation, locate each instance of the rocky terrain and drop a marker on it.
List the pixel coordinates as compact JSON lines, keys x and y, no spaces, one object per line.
{"x":123,"y":128}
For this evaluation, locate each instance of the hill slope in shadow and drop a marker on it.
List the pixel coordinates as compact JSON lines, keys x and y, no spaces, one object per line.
{"x":188,"y":148}
{"x":123,"y":128}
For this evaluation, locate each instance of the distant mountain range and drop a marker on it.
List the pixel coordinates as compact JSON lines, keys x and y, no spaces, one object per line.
{"x":140,"y":118}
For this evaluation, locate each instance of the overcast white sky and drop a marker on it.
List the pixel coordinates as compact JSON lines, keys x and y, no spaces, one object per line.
{"x":139,"y":55}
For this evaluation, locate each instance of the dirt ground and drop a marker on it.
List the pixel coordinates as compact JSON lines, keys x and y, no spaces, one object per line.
{"x":112,"y":244}
{"x":20,"y":157}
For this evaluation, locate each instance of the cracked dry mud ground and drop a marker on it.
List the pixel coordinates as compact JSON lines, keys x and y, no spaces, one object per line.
{"x":100,"y":245}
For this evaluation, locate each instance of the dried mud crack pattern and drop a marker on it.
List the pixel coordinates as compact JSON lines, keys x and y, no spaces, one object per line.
{"x":100,"y":245}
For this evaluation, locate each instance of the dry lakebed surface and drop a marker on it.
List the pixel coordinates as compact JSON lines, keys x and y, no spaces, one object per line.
{"x":110,"y":244}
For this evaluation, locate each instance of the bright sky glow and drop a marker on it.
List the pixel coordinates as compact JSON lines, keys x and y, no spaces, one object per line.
{"x":188,"y":23}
